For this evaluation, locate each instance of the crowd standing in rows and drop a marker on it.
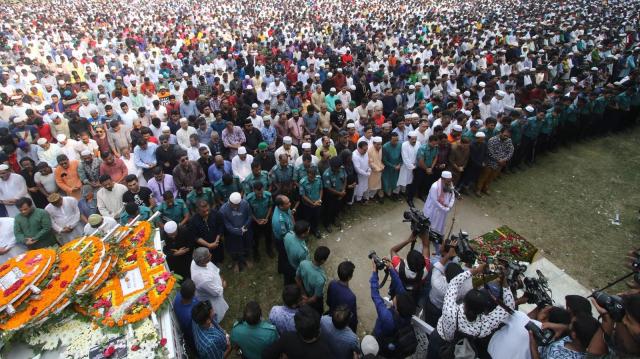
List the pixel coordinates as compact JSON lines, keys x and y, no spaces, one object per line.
{"x":259,"y":125}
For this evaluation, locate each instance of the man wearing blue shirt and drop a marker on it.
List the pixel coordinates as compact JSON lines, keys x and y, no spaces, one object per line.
{"x":339,"y":293}
{"x":210,"y":339}
{"x":219,"y":168}
{"x":183,"y":305}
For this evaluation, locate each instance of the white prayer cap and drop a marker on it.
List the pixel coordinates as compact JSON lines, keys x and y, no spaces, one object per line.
{"x":457,"y":128}
{"x":61,"y":137}
{"x":42,"y":141}
{"x":482,"y":84}
{"x":247,"y":77}
{"x":4,"y":167}
{"x":413,"y":134}
{"x":165,"y":128}
{"x":480,"y":134}
{"x":425,"y":77}
{"x":530,"y":108}
{"x":254,"y":105}
{"x":184,"y":120}
{"x":500,"y":93}
{"x":466,"y":94}
{"x":102,"y":96}
{"x":369,"y":345}
{"x":594,"y":69}
{"x":303,"y":68}
{"x":340,"y":69}
{"x":452,"y":93}
{"x":306,"y":146}
{"x":85,"y":153}
{"x":333,"y":89}
{"x":235,"y":198}
{"x":170,"y":227}
{"x":19,"y":120}
{"x":446,"y":175}
{"x":287,"y":140}
{"x":242,"y":150}
{"x":574,"y":80}
{"x":352,"y":87}
{"x":411,"y":87}
{"x":61,"y":82}
{"x":185,"y":74}
{"x":351,"y":125}
{"x":377,"y":139}
{"x":330,"y":74}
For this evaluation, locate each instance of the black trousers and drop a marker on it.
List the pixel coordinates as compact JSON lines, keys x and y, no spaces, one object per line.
{"x":516,"y":159}
{"x":284,"y":268}
{"x":420,"y":184}
{"x":331,"y":208}
{"x":262,"y":231}
{"x":528,"y":149}
{"x":311,"y":215}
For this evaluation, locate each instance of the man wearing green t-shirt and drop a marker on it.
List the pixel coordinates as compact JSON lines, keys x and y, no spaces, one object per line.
{"x":311,"y":278}
{"x":252,"y":334}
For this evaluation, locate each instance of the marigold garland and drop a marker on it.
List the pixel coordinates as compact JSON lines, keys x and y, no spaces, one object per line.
{"x":158,"y":283}
{"x":65,"y":273}
{"x":92,"y":252}
{"x":139,"y":237}
{"x":35,"y":265}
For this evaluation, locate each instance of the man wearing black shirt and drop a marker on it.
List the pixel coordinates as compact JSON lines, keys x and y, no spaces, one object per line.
{"x":205,"y":161}
{"x":142,"y":196}
{"x":205,"y":228}
{"x":338,"y":117}
{"x":253,"y":137}
{"x":166,"y":154}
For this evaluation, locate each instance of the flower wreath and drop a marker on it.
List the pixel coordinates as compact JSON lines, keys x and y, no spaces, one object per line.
{"x":53,"y":291}
{"x":92,"y":252}
{"x":34,"y":265}
{"x":111,"y":308}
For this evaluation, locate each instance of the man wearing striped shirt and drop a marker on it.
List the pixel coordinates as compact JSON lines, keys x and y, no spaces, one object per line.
{"x":210,"y":339}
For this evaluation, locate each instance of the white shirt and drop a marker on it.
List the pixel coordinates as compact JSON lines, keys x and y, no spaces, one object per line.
{"x":69,"y":149}
{"x":183,"y":136}
{"x":257,"y":122}
{"x":7,"y":237}
{"x":110,"y":202}
{"x":193,"y":152}
{"x":241,"y":168}
{"x":67,"y":215}
{"x":85,"y":111}
{"x":512,"y":340}
{"x":439,"y":286}
{"x":292,"y":153}
{"x":361,"y":163}
{"x":209,"y":287}
{"x":497,"y":106}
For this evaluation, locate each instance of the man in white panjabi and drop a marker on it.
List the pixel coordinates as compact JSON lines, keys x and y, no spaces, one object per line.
{"x":360,"y":161}
{"x":409,"y":151}
{"x":12,"y":187}
{"x":8,"y":246}
{"x":209,"y":284}
{"x":65,"y":217}
{"x":439,"y":202}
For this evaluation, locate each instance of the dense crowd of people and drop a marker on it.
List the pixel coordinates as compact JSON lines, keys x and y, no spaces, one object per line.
{"x":249,"y":125}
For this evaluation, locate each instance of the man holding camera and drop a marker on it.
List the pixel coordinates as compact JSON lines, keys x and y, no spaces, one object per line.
{"x":617,"y":337}
{"x":393,"y":329}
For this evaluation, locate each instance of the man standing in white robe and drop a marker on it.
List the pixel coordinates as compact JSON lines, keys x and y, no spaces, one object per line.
{"x":65,"y":217}
{"x":360,"y":161}
{"x":409,"y":151}
{"x":209,"y":284}
{"x":439,"y":202}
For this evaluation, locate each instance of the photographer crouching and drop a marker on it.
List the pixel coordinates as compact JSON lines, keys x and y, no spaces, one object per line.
{"x":462,"y":325}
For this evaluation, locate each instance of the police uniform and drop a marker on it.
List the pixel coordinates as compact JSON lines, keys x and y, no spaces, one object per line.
{"x":332,"y":204}
{"x":282,"y":179}
{"x":313,"y":191}
{"x":260,"y":208}
{"x":223,"y":191}
{"x":263,"y":177}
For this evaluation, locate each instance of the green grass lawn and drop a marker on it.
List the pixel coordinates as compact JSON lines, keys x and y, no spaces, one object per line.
{"x":565,"y":205}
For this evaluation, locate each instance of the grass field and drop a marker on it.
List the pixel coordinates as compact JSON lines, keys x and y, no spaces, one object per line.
{"x":564,"y":205}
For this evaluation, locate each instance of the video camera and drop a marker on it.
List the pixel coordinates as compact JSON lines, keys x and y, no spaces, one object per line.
{"x":543,"y":337}
{"x":513,"y":271}
{"x":612,"y":303}
{"x":537,"y":290}
{"x":420,"y":224}
{"x":463,"y":248}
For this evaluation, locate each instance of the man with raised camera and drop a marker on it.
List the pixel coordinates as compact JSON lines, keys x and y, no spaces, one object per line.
{"x":413,"y":270}
{"x":572,"y":345}
{"x":619,"y":333}
{"x":393,"y":329}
